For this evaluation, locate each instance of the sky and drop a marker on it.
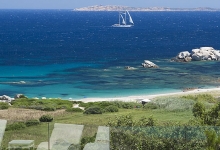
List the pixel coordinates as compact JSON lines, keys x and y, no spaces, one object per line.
{"x":71,"y":4}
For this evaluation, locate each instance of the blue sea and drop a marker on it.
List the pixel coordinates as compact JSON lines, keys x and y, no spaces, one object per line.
{"x":74,"y":55}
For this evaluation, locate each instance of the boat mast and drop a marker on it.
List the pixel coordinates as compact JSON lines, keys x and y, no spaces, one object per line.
{"x":125,"y":18}
{"x":119,"y":18}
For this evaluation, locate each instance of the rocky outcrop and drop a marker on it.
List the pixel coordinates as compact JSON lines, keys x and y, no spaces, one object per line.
{"x":149,"y":64}
{"x":8,"y":99}
{"x":5,"y":98}
{"x":203,"y":53}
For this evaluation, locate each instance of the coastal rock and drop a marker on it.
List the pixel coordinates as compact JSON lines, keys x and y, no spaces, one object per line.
{"x":17,"y":96}
{"x":149,"y":64}
{"x":183,"y":55}
{"x":203,"y":53}
{"x":187,"y":59}
{"x":5,"y":98}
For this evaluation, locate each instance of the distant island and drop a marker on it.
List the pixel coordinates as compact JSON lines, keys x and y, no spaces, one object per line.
{"x":122,"y":8}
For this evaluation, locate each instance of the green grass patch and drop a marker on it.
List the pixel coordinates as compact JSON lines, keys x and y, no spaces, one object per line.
{"x":201,"y":98}
{"x":46,"y":105}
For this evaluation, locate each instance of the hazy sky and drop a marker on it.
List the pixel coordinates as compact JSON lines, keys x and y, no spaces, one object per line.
{"x":70,"y":4}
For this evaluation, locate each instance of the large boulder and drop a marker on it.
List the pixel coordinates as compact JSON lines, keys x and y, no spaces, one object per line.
{"x":203,"y":53}
{"x":149,"y":64}
{"x":5,"y":98}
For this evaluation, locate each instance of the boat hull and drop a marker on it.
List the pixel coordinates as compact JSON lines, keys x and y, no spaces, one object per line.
{"x":122,"y":26}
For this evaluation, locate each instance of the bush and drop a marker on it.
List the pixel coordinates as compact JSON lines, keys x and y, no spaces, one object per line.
{"x":15,"y":126}
{"x":111,"y":108}
{"x":86,"y":140}
{"x":32,"y":123}
{"x":93,"y":110}
{"x":151,"y":106}
{"x":23,"y":96}
{"x":4,"y":105}
{"x":201,"y":97}
{"x":127,"y":105}
{"x":74,"y":110}
{"x":49,"y":108}
{"x":174,"y":103}
{"x":47,"y":105}
{"x":46,"y":118}
{"x":198,"y":110}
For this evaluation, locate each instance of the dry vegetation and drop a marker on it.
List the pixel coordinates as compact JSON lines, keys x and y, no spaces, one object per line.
{"x":20,"y":114}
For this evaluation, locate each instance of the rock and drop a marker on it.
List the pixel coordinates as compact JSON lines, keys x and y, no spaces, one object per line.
{"x":206,"y":48}
{"x":195,"y":51}
{"x":149,"y":64}
{"x":187,"y":59}
{"x":6,"y":98}
{"x":217,"y":54}
{"x":17,"y":96}
{"x":183,"y":55}
{"x":203,"y":53}
{"x":129,"y":68}
{"x":197,"y":56}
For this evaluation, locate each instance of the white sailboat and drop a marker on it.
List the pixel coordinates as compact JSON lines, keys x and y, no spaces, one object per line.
{"x":122,"y":21}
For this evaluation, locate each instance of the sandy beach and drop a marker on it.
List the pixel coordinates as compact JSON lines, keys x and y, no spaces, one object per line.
{"x":151,"y":97}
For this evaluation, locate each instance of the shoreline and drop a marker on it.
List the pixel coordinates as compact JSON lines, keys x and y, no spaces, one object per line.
{"x":151,"y":97}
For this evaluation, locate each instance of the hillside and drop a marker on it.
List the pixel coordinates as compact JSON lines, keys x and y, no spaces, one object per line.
{"x":121,"y":8}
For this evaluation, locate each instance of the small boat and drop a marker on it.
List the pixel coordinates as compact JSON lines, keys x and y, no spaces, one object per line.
{"x":122,"y":21}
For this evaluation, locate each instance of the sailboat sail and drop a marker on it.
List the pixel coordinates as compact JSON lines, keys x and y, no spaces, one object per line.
{"x":130,"y":19}
{"x":123,"y":20}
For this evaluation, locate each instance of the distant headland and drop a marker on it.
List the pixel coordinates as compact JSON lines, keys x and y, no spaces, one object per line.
{"x":122,"y":8}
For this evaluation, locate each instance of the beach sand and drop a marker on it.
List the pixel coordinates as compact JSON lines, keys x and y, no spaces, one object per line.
{"x":214,"y":91}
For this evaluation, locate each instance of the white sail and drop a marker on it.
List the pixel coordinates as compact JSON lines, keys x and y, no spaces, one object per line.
{"x":123,"y":20}
{"x":130,"y":19}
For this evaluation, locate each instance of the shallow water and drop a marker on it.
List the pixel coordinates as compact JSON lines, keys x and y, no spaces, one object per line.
{"x":78,"y":54}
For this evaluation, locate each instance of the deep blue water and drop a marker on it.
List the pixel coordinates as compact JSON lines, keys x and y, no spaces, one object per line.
{"x":62,"y":53}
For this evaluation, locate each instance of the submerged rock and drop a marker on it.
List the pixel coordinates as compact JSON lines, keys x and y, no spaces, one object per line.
{"x":129,"y":68}
{"x":149,"y":64}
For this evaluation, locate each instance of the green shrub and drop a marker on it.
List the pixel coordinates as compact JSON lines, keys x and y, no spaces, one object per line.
{"x":174,"y":103}
{"x":74,"y":110}
{"x":4,"y":105}
{"x":46,"y":118}
{"x":77,"y":102}
{"x":86,"y":140}
{"x":201,"y":97}
{"x":47,"y":105}
{"x":127,"y":105}
{"x":111,"y":108}
{"x":37,"y":107}
{"x":151,"y":106}
{"x":23,"y":96}
{"x":93,"y":110}
{"x":15,"y":126}
{"x":32,"y":123}
{"x":49,"y":108}
{"x":198,"y":110}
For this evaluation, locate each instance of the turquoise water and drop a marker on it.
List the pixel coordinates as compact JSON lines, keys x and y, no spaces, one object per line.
{"x":65,"y":54}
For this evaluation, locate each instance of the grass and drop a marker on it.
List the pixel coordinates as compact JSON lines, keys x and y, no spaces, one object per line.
{"x":172,"y":111}
{"x":39,"y":133}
